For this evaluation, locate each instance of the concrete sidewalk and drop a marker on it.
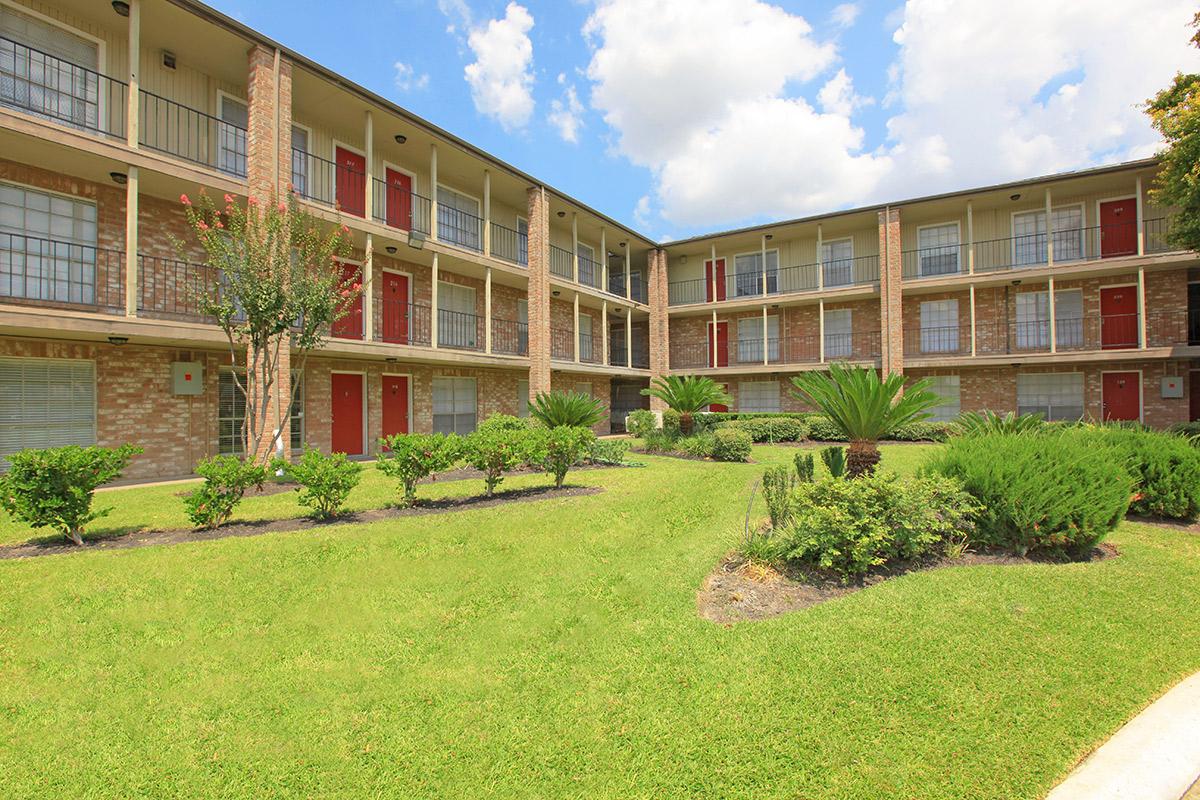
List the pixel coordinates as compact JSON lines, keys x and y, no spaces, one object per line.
{"x":1155,"y":756}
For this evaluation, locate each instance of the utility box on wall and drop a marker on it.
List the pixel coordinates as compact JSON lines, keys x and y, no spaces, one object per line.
{"x":187,"y":377}
{"x":1172,"y":387}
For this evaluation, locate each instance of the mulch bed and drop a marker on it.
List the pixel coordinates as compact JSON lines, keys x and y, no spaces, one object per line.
{"x":739,"y":590}
{"x":48,"y":546}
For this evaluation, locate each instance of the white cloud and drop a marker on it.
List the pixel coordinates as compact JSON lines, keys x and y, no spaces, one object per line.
{"x":458,"y":12}
{"x":641,"y":212}
{"x":566,"y":113}
{"x":408,"y":79}
{"x":838,"y":97}
{"x":501,"y":77}
{"x":845,"y":15}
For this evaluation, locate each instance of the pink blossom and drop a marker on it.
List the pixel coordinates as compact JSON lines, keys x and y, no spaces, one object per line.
{"x":228,"y":198}
{"x":183,"y":198}
{"x":345,"y":292}
{"x":356,"y":286}
{"x":345,"y":229}
{"x":252,"y":201}
{"x":202,"y":225}
{"x":282,"y":208}
{"x":217,"y":224}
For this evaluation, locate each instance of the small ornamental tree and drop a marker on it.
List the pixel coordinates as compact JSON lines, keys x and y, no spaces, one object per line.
{"x":413,"y":456}
{"x":493,"y":452}
{"x":226,"y":480}
{"x":53,"y":488}
{"x":559,"y":449}
{"x":325,"y":480}
{"x":275,"y":288}
{"x":1175,"y":113}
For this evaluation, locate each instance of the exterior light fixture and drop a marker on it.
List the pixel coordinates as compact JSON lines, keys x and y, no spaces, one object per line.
{"x":401,"y":138}
{"x":118,"y":340}
{"x":391,"y":359}
{"x":391,"y":248}
{"x":1015,"y":197}
{"x":121,"y":7}
{"x":416,"y":240}
{"x":769,"y":236}
{"x":622,"y":244}
{"x":556,"y":293}
{"x":561,"y":214}
{"x":119,"y":178}
{"x":1017,"y":282}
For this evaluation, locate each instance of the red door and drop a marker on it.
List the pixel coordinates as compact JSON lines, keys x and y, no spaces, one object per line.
{"x":718,"y":345}
{"x":720,"y":407}
{"x":395,"y":404}
{"x":395,"y":308}
{"x":720,"y":278}
{"x":399,"y":199}
{"x":346,"y":413}
{"x":350,"y":326}
{"x":1122,"y":396}
{"x":1118,"y":228}
{"x":351,"y":182}
{"x":1194,"y":394}
{"x":1118,"y":317}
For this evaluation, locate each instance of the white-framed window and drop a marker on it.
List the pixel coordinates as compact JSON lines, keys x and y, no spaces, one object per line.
{"x":758,"y":396}
{"x":750,"y":339}
{"x":748,"y":271}
{"x":300,"y":160}
{"x":47,"y":246}
{"x":588,"y":266}
{"x":939,"y":326}
{"x":1055,"y":395}
{"x":231,"y":135}
{"x":837,"y":262}
{"x":458,"y":218}
{"x":46,"y":402}
{"x":1029,"y":235}
{"x":947,"y":388}
{"x":49,"y":71}
{"x":522,"y":241}
{"x":583,"y":387}
{"x":938,"y":249}
{"x":522,"y":398}
{"x":839,"y":336}
{"x":586,"y":342}
{"x":454,"y":405}
{"x":231,"y":414}
{"x":1033,"y":319}
{"x":457,"y":324}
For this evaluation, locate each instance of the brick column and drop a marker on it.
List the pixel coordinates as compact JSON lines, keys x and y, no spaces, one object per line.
{"x":656,"y":268}
{"x":891,"y":320}
{"x":539,"y":290}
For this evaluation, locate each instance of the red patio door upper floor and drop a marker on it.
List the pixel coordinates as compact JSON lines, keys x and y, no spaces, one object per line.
{"x":399,"y":199}
{"x":351,"y":181}
{"x":1118,"y":317}
{"x":350,"y":326}
{"x":718,"y":279}
{"x":1118,"y":228}
{"x":718,"y":344}
{"x":395,"y":308}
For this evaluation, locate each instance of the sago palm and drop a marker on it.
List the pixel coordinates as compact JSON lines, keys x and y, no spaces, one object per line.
{"x":572,"y":409}
{"x":865,"y":407}
{"x":687,"y":395}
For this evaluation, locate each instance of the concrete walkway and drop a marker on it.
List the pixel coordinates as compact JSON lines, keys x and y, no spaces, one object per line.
{"x":1156,"y":756}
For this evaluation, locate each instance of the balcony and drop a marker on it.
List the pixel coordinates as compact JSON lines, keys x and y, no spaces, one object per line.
{"x":589,"y":349}
{"x":458,"y":330}
{"x":562,"y":344}
{"x":459,"y":228}
{"x":788,"y":350}
{"x":510,"y":337}
{"x":617,"y":351}
{"x":616,"y":286}
{"x":1073,"y":246}
{"x":399,"y":207}
{"x":833,"y":274}
{"x":562,"y":263}
{"x":406,"y":323}
{"x":510,"y":245}
{"x":590,"y":273}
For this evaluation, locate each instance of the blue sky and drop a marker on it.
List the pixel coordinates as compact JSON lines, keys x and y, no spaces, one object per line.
{"x":695,"y":115}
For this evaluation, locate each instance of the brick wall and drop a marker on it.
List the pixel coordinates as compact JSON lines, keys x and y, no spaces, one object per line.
{"x":601,"y":386}
{"x":890,"y":268}
{"x":539,"y":290}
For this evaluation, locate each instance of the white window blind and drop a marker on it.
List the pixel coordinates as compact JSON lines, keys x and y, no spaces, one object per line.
{"x":748,"y":270}
{"x":48,"y":71}
{"x":585,"y":337}
{"x":758,"y":396}
{"x":457,"y":323}
{"x":939,"y":326}
{"x":1033,"y":319}
{"x":837,"y":262}
{"x":453,"y":405}
{"x":839,"y":339}
{"x":458,"y":218}
{"x":938,"y":249}
{"x":231,"y":415}
{"x":46,"y":402}
{"x":947,"y":388}
{"x":1055,"y":395}
{"x":231,"y":136}
{"x":1029,"y":235}
{"x":750,"y":339}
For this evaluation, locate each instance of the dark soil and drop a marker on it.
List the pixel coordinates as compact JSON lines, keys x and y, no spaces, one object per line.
{"x":45,"y":547}
{"x":1163,"y":522}
{"x":739,"y":590}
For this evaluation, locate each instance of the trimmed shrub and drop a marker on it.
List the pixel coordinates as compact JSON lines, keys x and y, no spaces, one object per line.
{"x":1165,"y":468}
{"x":822,"y":429}
{"x":778,"y":484}
{"x":53,"y":488}
{"x":805,"y":467}
{"x":226,"y":479}
{"x":504,"y":422}
{"x":410,"y":457}
{"x":771,"y":429}
{"x":700,"y":445}
{"x":1058,"y":492}
{"x":977,"y":423}
{"x":495,"y":451}
{"x":834,"y":459}
{"x":670,"y":422}
{"x":559,"y":449}
{"x":609,"y":452}
{"x":1188,"y":430}
{"x":850,"y":527}
{"x":325,"y":480}
{"x":731,"y":445}
{"x":659,"y":442}
{"x":922,"y":432}
{"x":641,"y":422}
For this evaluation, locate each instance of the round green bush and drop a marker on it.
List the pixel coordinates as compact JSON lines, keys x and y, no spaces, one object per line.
{"x":821,"y":429}
{"x":1165,"y":467}
{"x":641,"y":422}
{"x":771,"y":429}
{"x":731,"y":445}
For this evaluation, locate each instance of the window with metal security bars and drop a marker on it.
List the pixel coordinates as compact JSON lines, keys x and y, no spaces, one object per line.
{"x":458,"y":218}
{"x":1029,"y":235}
{"x":231,"y":142}
{"x":837,"y":262}
{"x":1033,"y":319}
{"x":454,"y":405}
{"x":585,"y":338}
{"x":588,"y":266}
{"x":939,"y":326}
{"x":947,"y":388}
{"x":522,"y":398}
{"x":46,"y":402}
{"x":750,"y":338}
{"x":231,"y":415}
{"x":47,"y":246}
{"x":758,"y":396}
{"x":839,"y":338}
{"x":457,"y":323}
{"x":938,"y":249}
{"x":522,"y":240}
{"x":748,"y":273}
{"x":1058,"y":396}
{"x":48,"y":71}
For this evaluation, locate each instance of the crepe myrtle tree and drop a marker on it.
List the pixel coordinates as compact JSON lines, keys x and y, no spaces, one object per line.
{"x":274,"y":286}
{"x":1175,"y":113}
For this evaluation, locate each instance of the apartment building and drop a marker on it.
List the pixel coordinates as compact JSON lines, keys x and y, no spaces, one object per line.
{"x":485,"y":285}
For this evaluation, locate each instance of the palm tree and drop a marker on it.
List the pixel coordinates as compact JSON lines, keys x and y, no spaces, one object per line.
{"x":687,"y":395}
{"x":572,"y":409}
{"x":864,"y":407}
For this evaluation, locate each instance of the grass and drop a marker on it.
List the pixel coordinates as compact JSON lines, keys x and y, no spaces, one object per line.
{"x":552,"y":649}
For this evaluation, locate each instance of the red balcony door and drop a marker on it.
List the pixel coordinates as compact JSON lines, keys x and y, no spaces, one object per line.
{"x":720,"y":407}
{"x":351,"y":181}
{"x":709,"y":278}
{"x":1118,"y":317}
{"x":395,"y":308}
{"x":718,"y":344}
{"x":399,"y":199}
{"x":395,"y":404}
{"x":1118,"y":228}
{"x":350,"y":325}
{"x":346,"y":413}
{"x":1122,"y":396}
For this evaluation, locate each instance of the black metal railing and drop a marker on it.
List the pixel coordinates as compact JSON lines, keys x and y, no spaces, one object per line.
{"x":589,"y":348}
{"x":49,"y":87}
{"x":561,"y":263}
{"x":459,"y":330}
{"x":459,"y":228}
{"x":933,"y":262}
{"x":192,"y":135}
{"x":510,"y":245}
{"x":405,"y":323}
{"x":590,"y":273}
{"x":798,"y":349}
{"x":331,"y":184}
{"x":46,"y":272}
{"x":172,"y":288}
{"x":510,"y":337}
{"x":562,"y":344}
{"x":398,"y":207}
{"x":857,"y":271}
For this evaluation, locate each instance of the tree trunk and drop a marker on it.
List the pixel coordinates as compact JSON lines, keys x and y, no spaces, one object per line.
{"x":76,"y":536}
{"x":685,"y":423}
{"x":861,"y":458}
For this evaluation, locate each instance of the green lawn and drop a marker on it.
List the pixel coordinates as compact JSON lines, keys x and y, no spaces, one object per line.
{"x":552,"y":649}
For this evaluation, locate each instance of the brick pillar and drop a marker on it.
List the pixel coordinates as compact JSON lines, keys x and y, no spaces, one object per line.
{"x":539,"y":290}
{"x":891,"y":320}
{"x":656,"y":268}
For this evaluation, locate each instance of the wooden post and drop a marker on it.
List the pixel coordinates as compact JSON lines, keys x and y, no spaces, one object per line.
{"x":487,"y":213}
{"x":131,"y":241}
{"x":433,"y":317}
{"x":433,"y":201}
{"x":132,"y":112}
{"x":487,"y":311}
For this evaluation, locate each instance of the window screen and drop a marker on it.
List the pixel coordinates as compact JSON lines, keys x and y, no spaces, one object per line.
{"x":453,"y":405}
{"x":1055,"y":395}
{"x":46,"y":402}
{"x":762,"y":396}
